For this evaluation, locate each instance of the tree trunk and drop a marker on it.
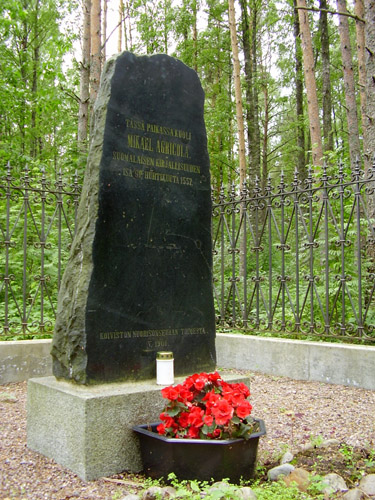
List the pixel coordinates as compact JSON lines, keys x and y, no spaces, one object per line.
{"x":96,"y":53}
{"x":195,"y":35}
{"x":238,"y":94}
{"x":249,"y":89}
{"x":83,"y":113}
{"x":240,"y":129}
{"x":370,"y":93}
{"x":350,"y":100}
{"x":312,"y":97}
{"x":265,"y":137}
{"x":34,"y":85}
{"x":128,"y":44}
{"x":359,"y":11}
{"x":301,"y":158}
{"x":120,"y":24}
{"x":256,"y":141}
{"x":326,"y":79}
{"x":165,"y":25}
{"x":104,"y":35}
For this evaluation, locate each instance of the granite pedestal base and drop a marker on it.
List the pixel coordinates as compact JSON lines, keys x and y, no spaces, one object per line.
{"x":88,"y":429}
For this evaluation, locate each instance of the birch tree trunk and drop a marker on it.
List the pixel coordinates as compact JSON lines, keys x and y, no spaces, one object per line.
{"x":350,"y":100}
{"x":96,"y":51}
{"x":128,"y":41}
{"x":120,"y":24}
{"x":83,"y":113}
{"x":310,"y":82}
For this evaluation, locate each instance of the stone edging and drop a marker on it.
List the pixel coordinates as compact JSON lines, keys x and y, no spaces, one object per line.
{"x":332,"y":363}
{"x":301,"y":360}
{"x":24,"y":359}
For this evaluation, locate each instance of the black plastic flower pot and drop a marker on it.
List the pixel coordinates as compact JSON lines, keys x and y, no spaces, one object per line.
{"x":199,"y":459}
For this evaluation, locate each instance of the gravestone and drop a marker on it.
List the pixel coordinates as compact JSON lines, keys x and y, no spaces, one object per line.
{"x":139,"y":278}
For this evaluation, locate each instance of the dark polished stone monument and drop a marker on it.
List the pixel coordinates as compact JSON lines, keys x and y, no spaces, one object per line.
{"x":139,"y":276}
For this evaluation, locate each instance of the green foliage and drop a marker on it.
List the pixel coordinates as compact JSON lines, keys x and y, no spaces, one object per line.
{"x":37,"y":219}
{"x":37,"y":105}
{"x":39,"y":82}
{"x":278,"y":490}
{"x":322,"y":292}
{"x":193,"y":490}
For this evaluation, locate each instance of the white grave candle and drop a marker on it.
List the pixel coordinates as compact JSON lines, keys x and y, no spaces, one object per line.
{"x":164,"y":368}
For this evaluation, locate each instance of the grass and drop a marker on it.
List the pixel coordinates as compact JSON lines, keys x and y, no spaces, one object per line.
{"x":349,"y":462}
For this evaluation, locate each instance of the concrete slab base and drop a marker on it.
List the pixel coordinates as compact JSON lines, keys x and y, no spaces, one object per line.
{"x":88,"y":429}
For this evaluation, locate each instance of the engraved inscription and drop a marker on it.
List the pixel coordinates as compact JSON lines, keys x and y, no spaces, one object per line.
{"x":151,"y":333}
{"x":158,"y":153}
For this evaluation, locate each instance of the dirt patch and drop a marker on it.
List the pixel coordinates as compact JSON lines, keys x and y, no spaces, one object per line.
{"x":351,"y":463}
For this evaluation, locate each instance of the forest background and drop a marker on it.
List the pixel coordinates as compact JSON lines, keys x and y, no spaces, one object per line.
{"x":303,"y":69}
{"x":289,"y":85}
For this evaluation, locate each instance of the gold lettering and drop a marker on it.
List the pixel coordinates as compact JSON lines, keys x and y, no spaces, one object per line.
{"x":176,"y":165}
{"x":172,"y":148}
{"x":146,"y":160}
{"x":139,"y":174}
{"x":152,"y":333}
{"x":119,"y":155}
{"x":135,"y":124}
{"x":140,"y":142}
{"x":186,"y":180}
{"x":168,"y":131}
{"x":193,"y":331}
{"x":127,"y":172}
{"x":156,"y":176}
{"x":114,"y":335}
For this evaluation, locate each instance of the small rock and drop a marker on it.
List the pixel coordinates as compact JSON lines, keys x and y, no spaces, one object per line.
{"x":286,"y":458}
{"x":306,"y":447}
{"x":299,"y":476}
{"x":280,"y":470}
{"x":329,"y":442}
{"x":156,"y":493}
{"x":332,"y":483}
{"x":354,"y":494}
{"x":367,"y":484}
{"x":221,"y":486}
{"x":7,"y":397}
{"x":246,"y":493}
{"x":131,"y":496}
{"x":355,"y":440}
{"x":171,"y":491}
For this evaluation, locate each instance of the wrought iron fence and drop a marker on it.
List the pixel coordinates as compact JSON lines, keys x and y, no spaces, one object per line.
{"x":293,"y":258}
{"x":298,"y":258}
{"x":37,"y":220}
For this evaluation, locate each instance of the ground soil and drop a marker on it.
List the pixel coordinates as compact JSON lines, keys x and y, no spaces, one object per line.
{"x":296,"y":413}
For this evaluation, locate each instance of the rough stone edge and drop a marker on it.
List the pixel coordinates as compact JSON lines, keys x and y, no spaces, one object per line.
{"x":69,"y":343}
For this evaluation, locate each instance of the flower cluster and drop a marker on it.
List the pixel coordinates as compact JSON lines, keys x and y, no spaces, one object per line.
{"x":206,"y":407}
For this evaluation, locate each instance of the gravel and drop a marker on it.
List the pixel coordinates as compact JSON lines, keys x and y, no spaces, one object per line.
{"x":295,"y":412}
